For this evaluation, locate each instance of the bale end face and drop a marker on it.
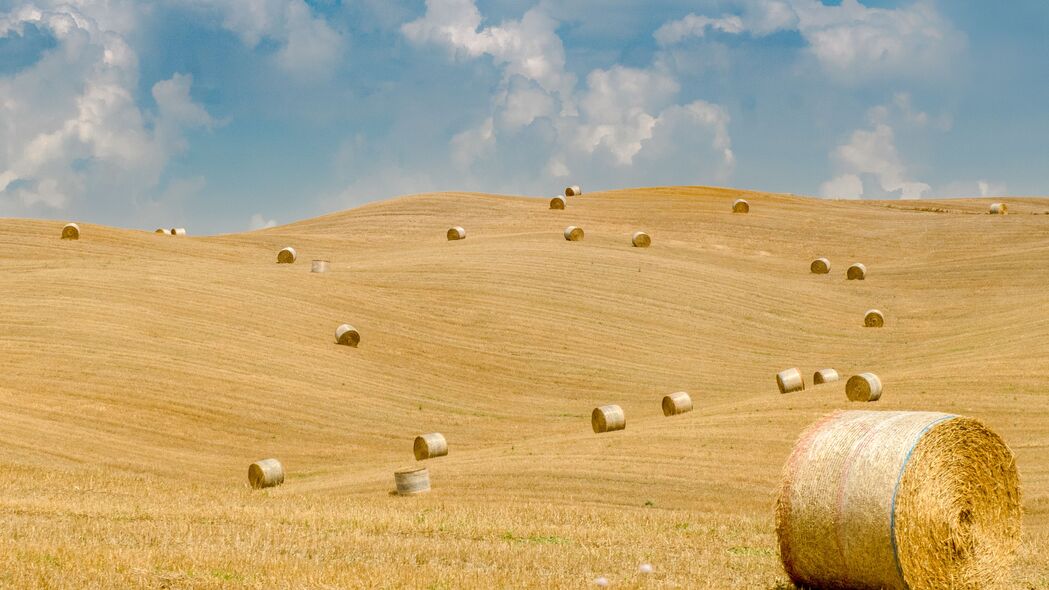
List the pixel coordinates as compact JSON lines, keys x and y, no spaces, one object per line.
{"x":676,"y":403}
{"x":266,"y":473}
{"x":856,"y":272}
{"x":429,"y":446}
{"x":741,"y":206}
{"x":411,"y":481}
{"x":178,"y":231}
{"x":873,"y":319}
{"x":573,"y":191}
{"x":160,"y":230}
{"x":347,"y":335}
{"x":865,"y":387}
{"x":71,"y":231}
{"x":557,"y":203}
{"x":790,"y":380}
{"x":573,"y":233}
{"x":456,"y":233}
{"x":287,"y":255}
{"x":641,"y":240}
{"x":607,"y":419}
{"x":825,"y":376}
{"x":820,"y":266}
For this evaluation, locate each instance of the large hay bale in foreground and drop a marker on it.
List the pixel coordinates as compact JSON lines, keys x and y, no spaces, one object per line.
{"x":71,"y":231}
{"x":856,"y":272}
{"x":178,"y":231}
{"x":899,"y":501}
{"x":873,"y":319}
{"x":320,"y":266}
{"x":456,"y":233}
{"x":573,"y":233}
{"x":287,"y":255}
{"x":999,"y":209}
{"x":347,"y":335}
{"x":607,"y":419}
{"x":558,"y":202}
{"x":790,"y":380}
{"x":412,"y":480}
{"x":266,"y":473}
{"x":428,"y":446}
{"x":740,"y":206}
{"x":641,"y":240}
{"x":865,"y":387}
{"x":820,"y":266}
{"x":825,"y":376}
{"x":677,"y":403}
{"x":573,"y":191}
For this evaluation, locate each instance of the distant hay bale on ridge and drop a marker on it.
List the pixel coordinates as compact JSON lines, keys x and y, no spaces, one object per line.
{"x":412,"y":480}
{"x":347,"y":335}
{"x":740,"y":206}
{"x":287,"y":255}
{"x":160,"y":230}
{"x":825,"y":376}
{"x":428,"y":446}
{"x":266,"y":473}
{"x":865,"y":387}
{"x":873,"y":319}
{"x":820,"y":266}
{"x":677,"y":403}
{"x":178,"y":231}
{"x":456,"y":233}
{"x":790,"y":380}
{"x":641,"y":239}
{"x":899,"y":501}
{"x":607,"y":418}
{"x":319,"y":266}
{"x":573,"y":191}
{"x":558,"y":202}
{"x":999,"y":209}
{"x":71,"y":231}
{"x":856,"y":272}
{"x":573,"y":233}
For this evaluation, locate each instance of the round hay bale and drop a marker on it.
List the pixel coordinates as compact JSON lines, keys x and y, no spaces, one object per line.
{"x":456,"y":233}
{"x":558,"y":202}
{"x":428,"y":446}
{"x":178,"y":231}
{"x":865,"y":387}
{"x":573,"y":233}
{"x":607,"y":419}
{"x":267,"y":473}
{"x":999,"y":209}
{"x":825,"y":376}
{"x":641,"y":240}
{"x":287,"y":255}
{"x":573,"y":191}
{"x":71,"y":231}
{"x":790,"y":380}
{"x":873,"y":319}
{"x":347,"y":335}
{"x":320,"y":266}
{"x":900,"y":501}
{"x":856,"y":272}
{"x":160,"y":230}
{"x":740,"y":206}
{"x":820,"y":266}
{"x":676,"y":403}
{"x":412,"y":480}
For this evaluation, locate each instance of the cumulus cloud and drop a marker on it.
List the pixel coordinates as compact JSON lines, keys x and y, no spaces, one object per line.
{"x":696,"y":26}
{"x":259,"y":222}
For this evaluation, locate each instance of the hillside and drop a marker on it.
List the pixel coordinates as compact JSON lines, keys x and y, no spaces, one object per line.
{"x":140,"y":374}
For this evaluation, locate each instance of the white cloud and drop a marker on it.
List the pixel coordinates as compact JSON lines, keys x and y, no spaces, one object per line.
{"x":694,"y":25}
{"x":259,"y":222}
{"x":846,"y":186}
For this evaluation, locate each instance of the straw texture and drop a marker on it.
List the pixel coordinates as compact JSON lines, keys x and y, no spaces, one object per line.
{"x":825,"y":376}
{"x":573,"y":191}
{"x":428,"y":446}
{"x":456,"y":233}
{"x":856,"y":272}
{"x":319,"y":266}
{"x":178,"y":231}
{"x":820,"y":266}
{"x":347,"y":335}
{"x":412,"y":480}
{"x":790,"y":380}
{"x":999,"y":209}
{"x":873,"y":319}
{"x":740,"y":206}
{"x":607,"y":419}
{"x":71,"y":231}
{"x":266,"y":473}
{"x":899,"y":501}
{"x":865,"y":387}
{"x":676,"y":403}
{"x":287,"y":255}
{"x":641,"y":240}
{"x":573,"y":233}
{"x":558,"y":202}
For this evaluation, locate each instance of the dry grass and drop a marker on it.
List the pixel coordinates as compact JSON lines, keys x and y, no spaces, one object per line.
{"x":124,"y":443}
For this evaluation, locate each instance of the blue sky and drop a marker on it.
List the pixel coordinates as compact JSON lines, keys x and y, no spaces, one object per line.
{"x":227,"y":115}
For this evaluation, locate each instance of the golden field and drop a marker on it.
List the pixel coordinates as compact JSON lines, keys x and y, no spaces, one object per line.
{"x":141,"y":374}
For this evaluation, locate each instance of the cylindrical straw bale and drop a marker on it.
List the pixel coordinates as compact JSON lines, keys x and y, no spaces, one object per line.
{"x":160,"y":230}
{"x":412,"y":480}
{"x":71,"y":231}
{"x":573,"y":233}
{"x":573,"y":191}
{"x":428,"y":446}
{"x":999,"y":209}
{"x":608,"y":418}
{"x":873,"y":318}
{"x":347,"y":335}
{"x":865,"y":387}
{"x":266,"y":473}
{"x":320,"y":266}
{"x":825,"y":376}
{"x":178,"y":231}
{"x":456,"y":233}
{"x":287,"y":255}
{"x":740,"y":206}
{"x":641,"y":240}
{"x":856,"y":272}
{"x":899,"y":501}
{"x":676,"y":403}
{"x":820,"y":266}
{"x":558,"y":202}
{"x":790,"y":380}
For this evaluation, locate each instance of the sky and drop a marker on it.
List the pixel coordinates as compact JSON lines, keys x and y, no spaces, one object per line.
{"x":231,"y":115}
